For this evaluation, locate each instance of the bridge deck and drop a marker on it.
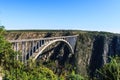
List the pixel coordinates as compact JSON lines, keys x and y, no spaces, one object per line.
{"x":47,"y":38}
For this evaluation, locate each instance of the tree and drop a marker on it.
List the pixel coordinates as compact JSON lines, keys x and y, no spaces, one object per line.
{"x":7,"y":55}
{"x":110,"y":71}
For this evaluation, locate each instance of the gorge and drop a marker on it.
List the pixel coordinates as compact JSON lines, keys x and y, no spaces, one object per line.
{"x":92,"y":49}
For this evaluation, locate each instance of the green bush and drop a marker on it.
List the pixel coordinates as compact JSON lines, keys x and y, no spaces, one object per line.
{"x":110,"y":71}
{"x":39,"y":73}
{"x":74,"y":76}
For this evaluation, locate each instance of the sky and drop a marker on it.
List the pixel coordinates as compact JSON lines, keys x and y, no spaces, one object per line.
{"x":93,"y":15}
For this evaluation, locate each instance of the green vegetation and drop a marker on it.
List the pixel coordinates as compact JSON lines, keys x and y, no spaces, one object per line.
{"x":110,"y":71}
{"x":7,"y":55}
{"x":30,"y":73}
{"x":15,"y":70}
{"x":74,"y":76}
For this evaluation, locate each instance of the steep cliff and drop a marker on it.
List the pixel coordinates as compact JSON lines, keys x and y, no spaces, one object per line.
{"x":92,"y":48}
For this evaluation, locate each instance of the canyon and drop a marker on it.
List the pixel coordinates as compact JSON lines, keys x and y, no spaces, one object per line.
{"x":93,"y":49}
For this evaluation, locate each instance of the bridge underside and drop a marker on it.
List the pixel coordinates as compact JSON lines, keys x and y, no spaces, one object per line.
{"x":47,"y":46}
{"x":58,"y":51}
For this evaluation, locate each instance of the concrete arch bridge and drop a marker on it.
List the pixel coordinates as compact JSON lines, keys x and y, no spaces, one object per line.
{"x":33,"y":48}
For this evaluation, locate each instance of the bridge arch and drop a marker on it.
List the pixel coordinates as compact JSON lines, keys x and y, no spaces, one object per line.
{"x":50,"y":43}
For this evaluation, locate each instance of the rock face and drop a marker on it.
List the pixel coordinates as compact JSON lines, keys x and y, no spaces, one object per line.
{"x":92,"y":48}
{"x":95,"y":52}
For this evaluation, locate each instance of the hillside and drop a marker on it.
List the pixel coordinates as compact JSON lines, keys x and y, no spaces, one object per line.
{"x":92,"y":48}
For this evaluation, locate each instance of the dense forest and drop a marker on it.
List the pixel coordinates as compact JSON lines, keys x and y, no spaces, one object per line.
{"x":12,"y":69}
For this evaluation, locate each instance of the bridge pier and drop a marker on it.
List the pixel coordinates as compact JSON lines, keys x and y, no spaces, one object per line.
{"x":16,"y":48}
{"x":23,"y":51}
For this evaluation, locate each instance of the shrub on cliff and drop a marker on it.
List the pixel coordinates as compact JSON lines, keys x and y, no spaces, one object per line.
{"x":110,"y":71}
{"x":39,"y":73}
{"x":74,"y":76}
{"x":7,"y":55}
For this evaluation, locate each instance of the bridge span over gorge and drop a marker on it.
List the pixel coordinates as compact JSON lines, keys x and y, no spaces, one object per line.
{"x":33,"y":48}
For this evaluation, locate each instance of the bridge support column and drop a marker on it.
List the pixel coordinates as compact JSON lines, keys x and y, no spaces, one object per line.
{"x":32,"y":47}
{"x":17,"y":48}
{"x":39,"y":45}
{"x":28,"y":49}
{"x":25,"y":55}
{"x":22,"y":52}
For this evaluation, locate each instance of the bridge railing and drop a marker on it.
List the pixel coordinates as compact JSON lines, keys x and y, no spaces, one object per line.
{"x":47,"y":38}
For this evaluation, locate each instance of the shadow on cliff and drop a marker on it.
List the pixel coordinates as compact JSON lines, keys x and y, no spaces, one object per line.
{"x":96,"y":60}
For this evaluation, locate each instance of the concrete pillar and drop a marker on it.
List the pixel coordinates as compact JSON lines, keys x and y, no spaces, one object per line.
{"x":39,"y":45}
{"x":17,"y":48}
{"x":14,"y":47}
{"x":25,"y":55}
{"x":32,"y":47}
{"x":23,"y":47}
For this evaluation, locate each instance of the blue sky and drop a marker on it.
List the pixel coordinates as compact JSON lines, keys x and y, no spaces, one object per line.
{"x":95,"y":15}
